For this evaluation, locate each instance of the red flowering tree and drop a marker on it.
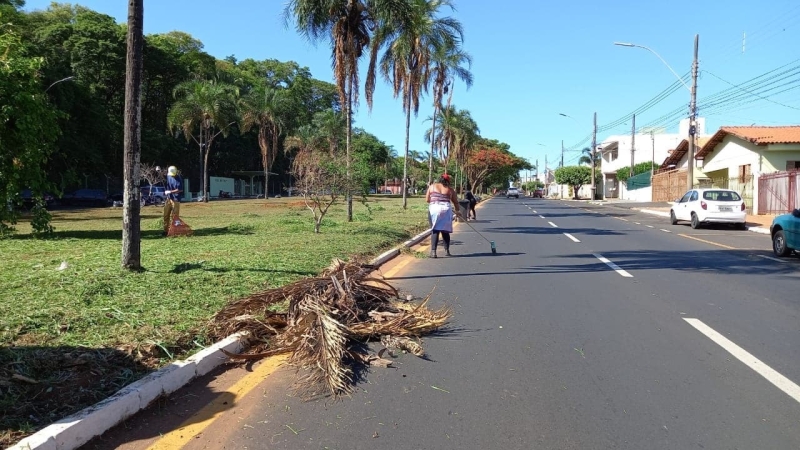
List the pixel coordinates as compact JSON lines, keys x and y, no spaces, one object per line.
{"x":487,"y":161}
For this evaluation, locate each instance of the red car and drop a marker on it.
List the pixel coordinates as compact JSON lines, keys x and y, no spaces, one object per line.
{"x":538,"y":193}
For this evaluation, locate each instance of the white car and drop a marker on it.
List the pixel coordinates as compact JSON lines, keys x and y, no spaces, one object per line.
{"x":701,"y":206}
{"x":512,"y":192}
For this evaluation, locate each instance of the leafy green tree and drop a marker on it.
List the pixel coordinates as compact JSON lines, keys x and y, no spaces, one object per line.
{"x":27,"y":131}
{"x":625,"y":172}
{"x":410,"y":49}
{"x":370,"y":156}
{"x":573,"y":176}
{"x":207,"y":108}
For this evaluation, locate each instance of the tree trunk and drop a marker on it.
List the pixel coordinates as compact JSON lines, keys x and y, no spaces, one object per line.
{"x":349,"y":132}
{"x":405,"y":158}
{"x":205,"y":172}
{"x":433,"y":142}
{"x":131,"y":216}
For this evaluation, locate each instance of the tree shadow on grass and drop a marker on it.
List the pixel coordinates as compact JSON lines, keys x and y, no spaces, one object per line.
{"x":187,"y":267}
{"x":41,"y":385}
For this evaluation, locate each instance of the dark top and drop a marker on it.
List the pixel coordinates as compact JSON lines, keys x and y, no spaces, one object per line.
{"x":174,"y":184}
{"x":471,"y":197}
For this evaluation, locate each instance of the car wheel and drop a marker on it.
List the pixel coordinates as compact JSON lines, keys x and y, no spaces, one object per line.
{"x":695,"y":221}
{"x":779,"y":244}
{"x":672,"y":219}
{"x":741,"y":226}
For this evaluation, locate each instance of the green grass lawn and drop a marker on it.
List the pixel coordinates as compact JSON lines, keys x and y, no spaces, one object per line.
{"x":239,"y":247}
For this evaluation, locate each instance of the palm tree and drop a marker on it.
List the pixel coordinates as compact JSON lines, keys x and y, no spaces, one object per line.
{"x":264,"y":108}
{"x":330,"y":124}
{"x":587,"y":156}
{"x":448,"y":64}
{"x":131,"y":227}
{"x":457,"y":133}
{"x":348,"y":25}
{"x":207,"y":107}
{"x":410,"y":49}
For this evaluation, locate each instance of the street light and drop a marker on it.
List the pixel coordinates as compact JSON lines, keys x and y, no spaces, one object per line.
{"x":692,"y":103}
{"x":59,"y":81}
{"x":628,"y":44}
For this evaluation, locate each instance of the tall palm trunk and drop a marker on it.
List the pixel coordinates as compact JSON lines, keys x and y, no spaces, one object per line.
{"x":263,"y":143}
{"x":131,"y":216}
{"x":433,"y":141}
{"x":347,"y":143}
{"x":405,"y":158}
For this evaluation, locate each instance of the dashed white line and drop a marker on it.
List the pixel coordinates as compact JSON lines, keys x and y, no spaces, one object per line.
{"x":637,"y":223}
{"x":616,"y":268}
{"x":541,"y":216}
{"x":665,"y":231}
{"x":624,"y":220}
{"x":780,"y":381}
{"x":534,"y":211}
{"x":650,"y":226}
{"x":771,"y":258}
{"x":573,"y":238}
{"x":553,"y":225}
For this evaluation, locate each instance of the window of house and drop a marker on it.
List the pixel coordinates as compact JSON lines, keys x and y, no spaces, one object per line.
{"x":744,"y":173}
{"x":792,"y":165}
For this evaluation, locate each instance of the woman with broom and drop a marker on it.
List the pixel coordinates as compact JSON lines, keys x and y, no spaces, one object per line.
{"x":442,"y":201}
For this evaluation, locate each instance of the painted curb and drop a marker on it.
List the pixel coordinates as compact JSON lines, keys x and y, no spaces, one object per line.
{"x":73,"y":431}
{"x":759,"y":230}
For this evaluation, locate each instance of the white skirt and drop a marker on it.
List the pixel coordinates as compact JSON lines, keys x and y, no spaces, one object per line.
{"x":441,"y":217}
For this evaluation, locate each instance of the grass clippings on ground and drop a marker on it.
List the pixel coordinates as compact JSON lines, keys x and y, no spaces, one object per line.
{"x":145,"y":319}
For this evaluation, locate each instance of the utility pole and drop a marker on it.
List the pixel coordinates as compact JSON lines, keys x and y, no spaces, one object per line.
{"x":692,"y":112}
{"x":633,"y":142}
{"x":594,"y":149}
{"x":536,"y":171}
{"x":562,"y":153}
{"x":653,"y":165}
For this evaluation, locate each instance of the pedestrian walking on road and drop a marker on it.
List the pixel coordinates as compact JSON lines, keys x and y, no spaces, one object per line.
{"x":472,"y":202}
{"x":442,"y":201}
{"x":172,"y":204}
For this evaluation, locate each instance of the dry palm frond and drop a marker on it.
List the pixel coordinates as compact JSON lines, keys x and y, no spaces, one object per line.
{"x":403,"y":343}
{"x":324,"y":316}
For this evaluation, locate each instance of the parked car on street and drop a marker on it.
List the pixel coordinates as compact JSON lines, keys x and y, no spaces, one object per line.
{"x":512,"y":192}
{"x":702,"y":206}
{"x":28,"y":199}
{"x":86,"y":197}
{"x":785,"y":231}
{"x":538,"y":193}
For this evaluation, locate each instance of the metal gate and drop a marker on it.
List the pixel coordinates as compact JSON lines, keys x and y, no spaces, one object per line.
{"x":778,"y":192}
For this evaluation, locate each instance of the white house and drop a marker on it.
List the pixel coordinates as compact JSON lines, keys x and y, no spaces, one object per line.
{"x":616,"y":154}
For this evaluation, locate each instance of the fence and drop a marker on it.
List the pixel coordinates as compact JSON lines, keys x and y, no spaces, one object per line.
{"x":778,"y":192}
{"x":638,"y":181}
{"x":669,"y":185}
{"x":742,"y":185}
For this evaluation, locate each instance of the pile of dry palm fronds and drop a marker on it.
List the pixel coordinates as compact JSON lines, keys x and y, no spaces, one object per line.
{"x":328,"y":319}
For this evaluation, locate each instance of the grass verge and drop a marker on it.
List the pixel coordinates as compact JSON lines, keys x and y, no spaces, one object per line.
{"x":70,"y":337}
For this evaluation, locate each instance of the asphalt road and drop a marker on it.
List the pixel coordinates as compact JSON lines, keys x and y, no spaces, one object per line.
{"x":592,"y":328}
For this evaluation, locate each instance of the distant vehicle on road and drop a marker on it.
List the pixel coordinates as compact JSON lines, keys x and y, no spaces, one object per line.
{"x":86,"y":197}
{"x":28,"y":199}
{"x":538,"y":193}
{"x":512,"y":192}
{"x":701,"y":206}
{"x":785,"y":231}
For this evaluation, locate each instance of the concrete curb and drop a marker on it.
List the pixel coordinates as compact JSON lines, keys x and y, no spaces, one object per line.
{"x":759,"y":230}
{"x":73,"y":431}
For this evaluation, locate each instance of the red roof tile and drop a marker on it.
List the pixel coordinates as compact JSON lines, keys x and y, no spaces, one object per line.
{"x":756,"y":135}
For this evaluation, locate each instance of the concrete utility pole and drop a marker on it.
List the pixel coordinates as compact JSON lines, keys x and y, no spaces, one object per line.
{"x":692,"y":117}
{"x":562,"y":153}
{"x":653,"y":165}
{"x":633,"y":142}
{"x":594,"y":149}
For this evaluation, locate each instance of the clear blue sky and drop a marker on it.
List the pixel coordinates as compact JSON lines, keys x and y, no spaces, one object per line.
{"x":534,"y":60}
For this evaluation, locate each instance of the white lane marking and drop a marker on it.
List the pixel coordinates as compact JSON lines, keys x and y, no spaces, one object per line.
{"x":650,"y":226}
{"x":573,"y":238}
{"x":534,"y":211}
{"x":553,"y":225}
{"x":771,"y":258}
{"x":637,"y":223}
{"x":780,"y":381}
{"x":624,"y":220}
{"x":616,"y":268}
{"x":541,"y":216}
{"x":665,"y":231}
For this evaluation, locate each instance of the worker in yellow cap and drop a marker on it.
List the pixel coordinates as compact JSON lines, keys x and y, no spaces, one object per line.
{"x":172,"y":204}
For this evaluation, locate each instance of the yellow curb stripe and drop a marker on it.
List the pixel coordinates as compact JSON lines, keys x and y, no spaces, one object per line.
{"x":208,"y":414}
{"x":708,"y":242}
{"x":397,"y":268}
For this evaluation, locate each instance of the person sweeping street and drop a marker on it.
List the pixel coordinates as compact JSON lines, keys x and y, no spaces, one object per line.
{"x":442,"y":202}
{"x":172,"y":204}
